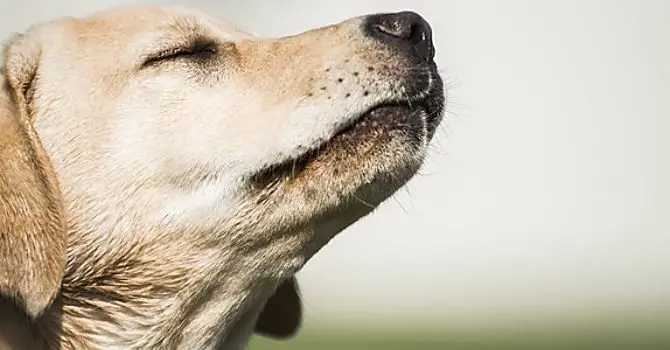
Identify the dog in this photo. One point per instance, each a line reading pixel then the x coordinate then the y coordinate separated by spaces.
pixel 165 174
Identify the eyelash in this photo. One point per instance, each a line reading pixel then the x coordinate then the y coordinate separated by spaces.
pixel 199 51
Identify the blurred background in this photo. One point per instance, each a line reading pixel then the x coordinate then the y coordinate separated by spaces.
pixel 542 217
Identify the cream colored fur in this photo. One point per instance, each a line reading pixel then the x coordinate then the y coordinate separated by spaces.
pixel 172 240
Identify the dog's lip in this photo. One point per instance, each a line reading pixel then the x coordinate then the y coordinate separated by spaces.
pixel 294 165
pixel 410 105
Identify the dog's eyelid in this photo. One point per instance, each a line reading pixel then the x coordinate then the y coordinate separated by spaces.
pixel 196 49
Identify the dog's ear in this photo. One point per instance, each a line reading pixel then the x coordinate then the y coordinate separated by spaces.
pixel 282 315
pixel 33 239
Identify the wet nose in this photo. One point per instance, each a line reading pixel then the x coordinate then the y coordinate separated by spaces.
pixel 407 32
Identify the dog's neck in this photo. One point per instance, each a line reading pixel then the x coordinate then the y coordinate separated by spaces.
pixel 193 290
pixel 135 304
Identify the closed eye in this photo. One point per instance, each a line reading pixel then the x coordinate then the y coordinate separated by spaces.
pixel 197 50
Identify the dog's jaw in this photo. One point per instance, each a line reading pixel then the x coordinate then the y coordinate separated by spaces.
pixel 204 290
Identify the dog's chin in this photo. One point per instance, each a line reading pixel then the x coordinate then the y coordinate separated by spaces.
pixel 360 166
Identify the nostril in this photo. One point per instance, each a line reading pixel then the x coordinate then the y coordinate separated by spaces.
pixel 396 29
pixel 418 34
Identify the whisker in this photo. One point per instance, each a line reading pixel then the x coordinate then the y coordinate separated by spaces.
pixel 395 198
pixel 436 149
pixel 364 202
pixel 410 197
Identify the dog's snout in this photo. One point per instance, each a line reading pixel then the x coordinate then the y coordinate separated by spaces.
pixel 406 31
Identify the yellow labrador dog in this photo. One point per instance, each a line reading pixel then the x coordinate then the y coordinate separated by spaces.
pixel 164 175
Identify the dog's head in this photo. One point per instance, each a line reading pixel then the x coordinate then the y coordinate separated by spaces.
pixel 163 124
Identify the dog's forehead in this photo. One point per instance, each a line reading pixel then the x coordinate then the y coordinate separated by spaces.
pixel 146 20
pixel 124 35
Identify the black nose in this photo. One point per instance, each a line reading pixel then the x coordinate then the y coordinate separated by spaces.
pixel 406 31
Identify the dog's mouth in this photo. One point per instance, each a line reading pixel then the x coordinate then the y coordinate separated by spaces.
pixel 413 120
pixel 380 119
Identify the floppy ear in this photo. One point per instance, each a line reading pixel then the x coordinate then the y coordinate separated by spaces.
pixel 282 315
pixel 33 239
